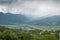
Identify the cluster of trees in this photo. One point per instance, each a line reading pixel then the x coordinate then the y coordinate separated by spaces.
pixel 18 34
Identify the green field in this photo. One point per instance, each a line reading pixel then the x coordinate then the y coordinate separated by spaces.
pixel 32 27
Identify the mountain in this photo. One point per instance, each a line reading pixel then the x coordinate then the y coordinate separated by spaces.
pixel 9 18
pixel 48 21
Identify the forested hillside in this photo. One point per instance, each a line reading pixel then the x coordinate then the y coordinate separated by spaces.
pixel 19 34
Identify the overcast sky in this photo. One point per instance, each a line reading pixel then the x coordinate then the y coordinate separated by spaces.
pixel 31 7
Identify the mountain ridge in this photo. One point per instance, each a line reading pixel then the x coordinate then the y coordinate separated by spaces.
pixel 10 18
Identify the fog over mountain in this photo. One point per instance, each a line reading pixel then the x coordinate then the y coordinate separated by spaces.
pixel 40 12
pixel 35 8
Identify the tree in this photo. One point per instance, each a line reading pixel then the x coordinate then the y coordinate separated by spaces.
pixel 1 35
pixel 9 35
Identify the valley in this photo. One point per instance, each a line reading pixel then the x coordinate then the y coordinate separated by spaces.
pixel 32 27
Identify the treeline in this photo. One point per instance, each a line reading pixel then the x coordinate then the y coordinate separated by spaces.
pixel 19 34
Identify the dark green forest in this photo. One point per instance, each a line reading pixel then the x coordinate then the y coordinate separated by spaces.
pixel 19 34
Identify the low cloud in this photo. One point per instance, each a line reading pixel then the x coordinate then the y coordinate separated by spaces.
pixel 31 7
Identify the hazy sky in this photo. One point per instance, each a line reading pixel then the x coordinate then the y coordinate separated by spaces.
pixel 31 7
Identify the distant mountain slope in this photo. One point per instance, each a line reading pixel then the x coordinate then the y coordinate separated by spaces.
pixel 48 21
pixel 9 18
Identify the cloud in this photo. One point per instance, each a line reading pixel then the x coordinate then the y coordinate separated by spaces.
pixel 31 7
pixel 3 9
